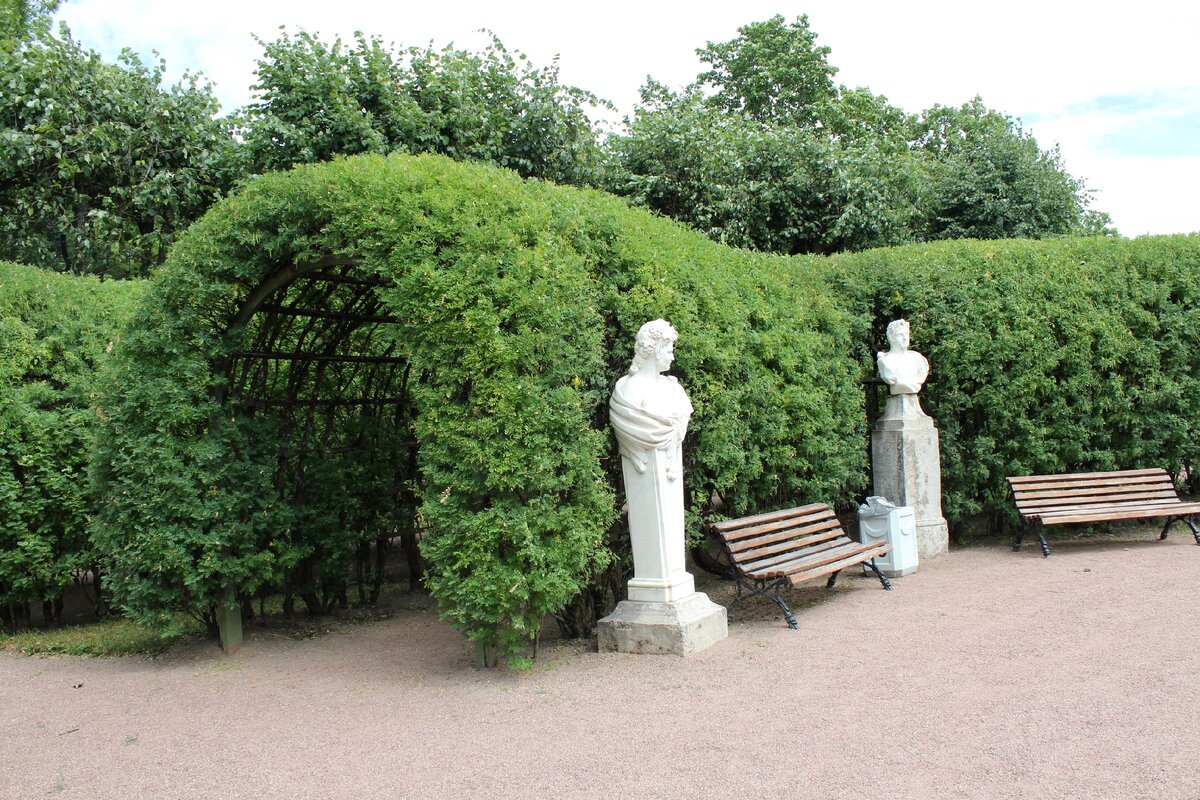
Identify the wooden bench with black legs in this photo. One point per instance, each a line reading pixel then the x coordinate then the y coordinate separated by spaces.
pixel 1098 497
pixel 769 552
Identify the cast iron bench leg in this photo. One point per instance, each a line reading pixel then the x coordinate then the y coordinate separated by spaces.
pixel 878 574
pixel 1041 532
pixel 761 591
pixel 1186 521
pixel 1020 536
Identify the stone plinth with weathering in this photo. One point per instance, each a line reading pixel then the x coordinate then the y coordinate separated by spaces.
pixel 905 454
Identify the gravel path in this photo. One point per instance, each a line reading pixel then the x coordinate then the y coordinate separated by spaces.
pixel 987 674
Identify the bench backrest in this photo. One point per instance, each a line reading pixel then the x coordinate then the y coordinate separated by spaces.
pixel 778 536
pixel 1090 490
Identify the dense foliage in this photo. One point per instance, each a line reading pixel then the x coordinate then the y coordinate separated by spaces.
pixel 54 331
pixel 20 19
pixel 764 151
pixel 318 100
pixel 776 188
pixel 100 166
pixel 1063 356
pixel 988 179
pixel 517 304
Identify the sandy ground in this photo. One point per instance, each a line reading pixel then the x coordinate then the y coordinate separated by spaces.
pixel 987 674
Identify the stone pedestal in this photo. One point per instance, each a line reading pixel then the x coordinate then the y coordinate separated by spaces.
pixel 678 628
pixel 664 614
pixel 656 530
pixel 907 469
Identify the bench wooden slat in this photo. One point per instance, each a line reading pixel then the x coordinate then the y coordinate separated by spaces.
pixel 1157 486
pixel 800 525
pixel 1096 508
pixel 833 566
pixel 742 545
pixel 728 525
pixel 759 553
pixel 771 562
pixel 1147 509
pixel 1113 516
pixel 793 523
pixel 1074 476
pixel 1096 499
pixel 797 570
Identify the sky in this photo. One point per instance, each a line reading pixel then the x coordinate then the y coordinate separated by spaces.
pixel 1116 86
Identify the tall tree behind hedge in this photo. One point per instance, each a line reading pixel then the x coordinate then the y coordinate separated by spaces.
pixel 764 151
pixel 989 179
pixel 760 185
pixel 101 166
pixel 318 100
pixel 54 332
pixel 773 71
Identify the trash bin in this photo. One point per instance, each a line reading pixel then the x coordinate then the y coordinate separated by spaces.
pixel 880 520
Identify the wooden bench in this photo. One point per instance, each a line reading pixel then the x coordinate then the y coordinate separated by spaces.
pixel 1098 497
pixel 769 552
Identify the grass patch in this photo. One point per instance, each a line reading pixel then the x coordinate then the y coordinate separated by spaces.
pixel 108 638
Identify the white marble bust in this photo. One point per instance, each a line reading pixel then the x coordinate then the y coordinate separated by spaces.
pixel 649 410
pixel 902 369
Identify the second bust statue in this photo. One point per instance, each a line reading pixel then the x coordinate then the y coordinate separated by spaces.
pixel 902 369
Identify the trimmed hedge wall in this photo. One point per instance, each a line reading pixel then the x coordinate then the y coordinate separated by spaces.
pixel 1047 356
pixel 519 303
pixel 54 331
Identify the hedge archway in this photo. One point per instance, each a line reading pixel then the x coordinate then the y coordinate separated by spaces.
pixel 379 344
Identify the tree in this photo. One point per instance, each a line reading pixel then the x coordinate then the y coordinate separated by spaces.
pixel 763 186
pixel 988 179
pixel 774 71
pixel 319 100
pixel 100 166
pixel 21 19
pixel 776 158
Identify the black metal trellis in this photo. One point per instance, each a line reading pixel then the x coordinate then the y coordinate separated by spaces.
pixel 314 350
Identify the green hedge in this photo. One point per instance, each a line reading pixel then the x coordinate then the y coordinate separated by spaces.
pixel 54 332
pixel 1053 356
pixel 519 302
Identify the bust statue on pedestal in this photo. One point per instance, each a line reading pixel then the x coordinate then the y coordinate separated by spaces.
pixel 905 452
pixel 649 412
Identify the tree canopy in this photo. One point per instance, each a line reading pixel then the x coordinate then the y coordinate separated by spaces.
pixel 21 19
pixel 764 151
pixel 101 167
pixel 317 100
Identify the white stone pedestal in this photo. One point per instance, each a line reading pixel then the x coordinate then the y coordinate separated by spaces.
pixel 906 462
pixel 678 628
pixel 656 530
pixel 664 614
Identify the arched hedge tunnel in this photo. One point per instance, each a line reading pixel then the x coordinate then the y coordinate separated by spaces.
pixel 375 346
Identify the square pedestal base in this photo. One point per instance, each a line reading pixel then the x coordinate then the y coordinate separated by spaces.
pixel 680 628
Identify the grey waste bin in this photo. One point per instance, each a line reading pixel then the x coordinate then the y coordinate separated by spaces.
pixel 880 520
